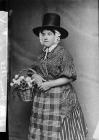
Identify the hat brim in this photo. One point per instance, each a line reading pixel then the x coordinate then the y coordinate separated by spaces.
pixel 64 33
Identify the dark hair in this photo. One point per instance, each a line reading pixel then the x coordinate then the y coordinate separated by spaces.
pixel 50 29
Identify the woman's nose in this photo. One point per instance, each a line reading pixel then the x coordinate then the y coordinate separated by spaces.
pixel 45 37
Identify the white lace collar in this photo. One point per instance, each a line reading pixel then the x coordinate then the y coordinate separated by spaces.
pixel 49 49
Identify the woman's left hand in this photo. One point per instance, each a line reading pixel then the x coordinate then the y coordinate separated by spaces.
pixel 45 86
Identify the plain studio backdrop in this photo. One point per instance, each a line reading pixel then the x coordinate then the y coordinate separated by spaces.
pixel 80 18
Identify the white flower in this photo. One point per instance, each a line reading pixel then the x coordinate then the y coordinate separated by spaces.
pixel 11 84
pixel 18 81
pixel 16 76
pixel 28 79
pixel 14 81
pixel 21 77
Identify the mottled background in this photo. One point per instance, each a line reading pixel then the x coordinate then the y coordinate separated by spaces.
pixel 80 18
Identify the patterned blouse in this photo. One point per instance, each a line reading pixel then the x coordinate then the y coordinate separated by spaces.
pixel 59 63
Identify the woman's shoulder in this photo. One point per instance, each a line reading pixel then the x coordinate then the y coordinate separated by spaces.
pixel 59 50
pixel 63 52
pixel 41 55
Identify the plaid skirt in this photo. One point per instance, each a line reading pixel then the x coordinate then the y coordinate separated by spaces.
pixel 48 120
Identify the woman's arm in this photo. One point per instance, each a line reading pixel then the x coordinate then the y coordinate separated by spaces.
pixel 54 83
pixel 59 82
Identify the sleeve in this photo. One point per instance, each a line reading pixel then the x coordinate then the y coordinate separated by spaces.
pixel 37 67
pixel 67 67
pixel 34 67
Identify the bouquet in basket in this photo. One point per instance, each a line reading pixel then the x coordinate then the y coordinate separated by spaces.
pixel 24 84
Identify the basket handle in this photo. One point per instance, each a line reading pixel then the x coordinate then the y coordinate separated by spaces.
pixel 23 70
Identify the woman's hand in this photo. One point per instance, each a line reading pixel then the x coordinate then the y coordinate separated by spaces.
pixel 38 79
pixel 44 86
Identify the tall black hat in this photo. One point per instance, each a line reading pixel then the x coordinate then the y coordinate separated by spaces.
pixel 51 21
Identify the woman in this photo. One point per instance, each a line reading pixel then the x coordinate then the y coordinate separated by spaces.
pixel 56 113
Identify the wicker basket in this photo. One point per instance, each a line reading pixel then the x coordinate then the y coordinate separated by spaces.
pixel 26 95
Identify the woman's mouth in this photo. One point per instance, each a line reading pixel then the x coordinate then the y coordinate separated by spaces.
pixel 45 40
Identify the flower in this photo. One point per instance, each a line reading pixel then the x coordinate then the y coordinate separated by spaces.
pixel 16 76
pixel 21 77
pixel 11 84
pixel 22 82
pixel 28 79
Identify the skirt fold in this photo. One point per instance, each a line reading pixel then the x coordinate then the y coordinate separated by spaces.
pixel 74 127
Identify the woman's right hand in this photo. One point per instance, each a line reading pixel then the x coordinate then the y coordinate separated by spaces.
pixel 38 79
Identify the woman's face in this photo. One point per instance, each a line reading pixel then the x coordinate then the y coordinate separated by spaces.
pixel 48 38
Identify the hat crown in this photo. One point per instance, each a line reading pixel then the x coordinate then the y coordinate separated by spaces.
pixel 51 19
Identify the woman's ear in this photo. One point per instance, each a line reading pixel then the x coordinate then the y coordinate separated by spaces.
pixel 57 36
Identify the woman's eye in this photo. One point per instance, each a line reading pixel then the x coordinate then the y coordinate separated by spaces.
pixel 43 34
pixel 49 33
